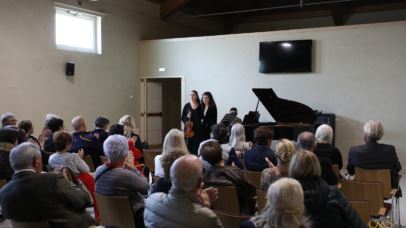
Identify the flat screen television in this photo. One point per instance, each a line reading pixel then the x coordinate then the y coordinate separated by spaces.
pixel 292 56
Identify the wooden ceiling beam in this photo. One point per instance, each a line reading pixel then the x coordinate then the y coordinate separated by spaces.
pixel 168 7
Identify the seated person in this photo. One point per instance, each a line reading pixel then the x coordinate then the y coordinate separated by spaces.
pixel 28 128
pixel 54 124
pixel 31 196
pixel 374 155
pixel 284 207
pixel 236 142
pixel 255 158
pixel 307 141
pixel 231 117
pixel 112 179
pixel 86 141
pixel 187 204
pixel 217 174
pixel 324 148
pixel 8 119
pixel 325 204
pixel 102 124
pixel 8 140
pixel 285 149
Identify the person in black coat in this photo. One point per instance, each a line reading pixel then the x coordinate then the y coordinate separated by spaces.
pixel 374 155
pixel 209 114
pixel 101 124
pixel 307 141
pixel 324 203
pixel 192 115
pixel 324 148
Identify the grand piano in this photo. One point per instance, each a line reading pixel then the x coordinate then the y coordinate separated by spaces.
pixel 291 117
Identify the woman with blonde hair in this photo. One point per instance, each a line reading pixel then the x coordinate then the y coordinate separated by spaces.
pixel 173 139
pixel 284 208
pixel 285 149
pixel 324 203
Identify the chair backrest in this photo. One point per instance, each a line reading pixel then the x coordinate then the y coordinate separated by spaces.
pixel 336 170
pixel 254 178
pixel 227 201
pixel 261 199
pixel 375 175
pixel 88 159
pixel 365 191
pixel 43 224
pixel 149 156
pixel 115 210
pixel 363 209
pixel 230 220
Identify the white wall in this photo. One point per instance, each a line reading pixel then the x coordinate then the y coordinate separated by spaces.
pixel 33 80
pixel 359 74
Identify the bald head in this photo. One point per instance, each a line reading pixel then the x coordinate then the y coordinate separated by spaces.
pixel 186 173
pixel 306 141
pixel 78 123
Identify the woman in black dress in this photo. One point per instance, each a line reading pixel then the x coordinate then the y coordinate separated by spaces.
pixel 192 115
pixel 209 114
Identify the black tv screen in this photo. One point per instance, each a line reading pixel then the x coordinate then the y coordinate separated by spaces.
pixel 285 56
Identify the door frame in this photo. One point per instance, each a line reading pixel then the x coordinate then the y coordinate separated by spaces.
pixel 144 101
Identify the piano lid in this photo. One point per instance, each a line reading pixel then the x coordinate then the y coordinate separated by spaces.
pixel 283 110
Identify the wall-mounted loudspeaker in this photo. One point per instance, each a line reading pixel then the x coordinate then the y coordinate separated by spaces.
pixel 70 68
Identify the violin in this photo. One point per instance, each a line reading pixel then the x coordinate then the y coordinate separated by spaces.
pixel 189 129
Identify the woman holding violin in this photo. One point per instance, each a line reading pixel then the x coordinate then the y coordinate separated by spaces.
pixel 192 115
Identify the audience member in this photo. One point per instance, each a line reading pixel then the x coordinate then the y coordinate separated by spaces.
pixel 220 175
pixel 54 124
pixel 209 114
pixel 7 119
pixel 325 204
pixel 307 141
pixel 163 184
pixel 237 146
pixel 374 155
pixel 112 179
pixel 219 133
pixel 27 126
pixel 31 196
pixel 46 132
pixel 136 154
pixel 285 149
pixel 131 131
pixel 101 124
pixel 284 207
pixel 86 141
pixel 324 148
pixel 173 139
pixel 255 158
pixel 8 140
pixel 187 204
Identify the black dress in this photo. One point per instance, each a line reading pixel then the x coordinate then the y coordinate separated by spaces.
pixel 196 118
pixel 209 119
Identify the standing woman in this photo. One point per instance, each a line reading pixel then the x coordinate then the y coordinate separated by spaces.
pixel 209 114
pixel 192 115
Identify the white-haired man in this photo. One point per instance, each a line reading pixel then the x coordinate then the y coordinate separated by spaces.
pixel 31 196
pixel 112 179
pixel 187 204
pixel 7 119
pixel 374 155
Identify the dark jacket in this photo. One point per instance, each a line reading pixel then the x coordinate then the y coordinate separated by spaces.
pixel 255 158
pixel 327 207
pixel 374 155
pixel 102 134
pixel 208 120
pixel 6 172
pixel 232 176
pixel 327 172
pixel 89 143
pixel 45 197
pixel 329 151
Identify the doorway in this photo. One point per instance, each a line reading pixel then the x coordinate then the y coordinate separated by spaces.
pixel 161 104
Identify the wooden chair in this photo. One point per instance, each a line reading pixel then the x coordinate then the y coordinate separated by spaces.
pixel 89 162
pixel 376 175
pixel 363 209
pixel 115 210
pixel 261 200
pixel 227 201
pixel 43 224
pixel 365 191
pixel 230 220
pixel 254 178
pixel 336 170
pixel 149 156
